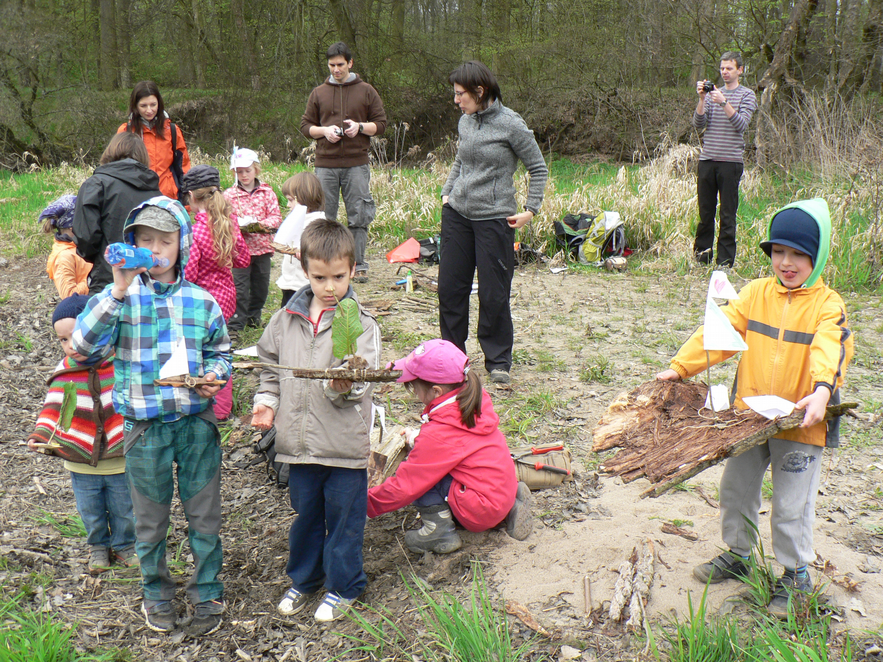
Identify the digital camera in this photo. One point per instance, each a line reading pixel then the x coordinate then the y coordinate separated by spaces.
pixel 707 86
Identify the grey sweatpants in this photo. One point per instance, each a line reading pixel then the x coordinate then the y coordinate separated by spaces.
pixel 355 186
pixel 796 468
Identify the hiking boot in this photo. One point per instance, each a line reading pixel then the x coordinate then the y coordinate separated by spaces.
pixel 784 591
pixel 160 616
pixel 519 521
pixel 207 618
pixel 99 561
pixel 500 376
pixel 438 533
pixel 728 565
pixel 293 602
pixel 126 558
pixel 333 607
pixel 361 277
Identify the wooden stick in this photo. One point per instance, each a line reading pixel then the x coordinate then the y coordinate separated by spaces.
pixel 357 375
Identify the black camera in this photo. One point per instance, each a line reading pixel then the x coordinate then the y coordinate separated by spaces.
pixel 339 130
pixel 707 86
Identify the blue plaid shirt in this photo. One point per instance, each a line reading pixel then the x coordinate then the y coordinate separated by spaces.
pixel 144 329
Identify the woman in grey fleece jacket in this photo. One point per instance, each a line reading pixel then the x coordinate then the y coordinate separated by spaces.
pixel 480 215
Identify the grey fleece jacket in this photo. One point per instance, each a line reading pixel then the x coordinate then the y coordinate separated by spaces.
pixel 315 424
pixel 492 141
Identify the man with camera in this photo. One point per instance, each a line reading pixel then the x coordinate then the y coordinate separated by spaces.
pixel 341 115
pixel 724 113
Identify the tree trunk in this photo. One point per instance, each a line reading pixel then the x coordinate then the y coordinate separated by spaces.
pixel 872 49
pixel 124 41
pixel 109 63
pixel 246 44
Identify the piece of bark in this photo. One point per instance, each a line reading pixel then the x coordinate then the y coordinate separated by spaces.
pixel 523 614
pixel 358 375
pixel 673 530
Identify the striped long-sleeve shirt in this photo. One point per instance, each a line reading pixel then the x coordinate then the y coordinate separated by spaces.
pixel 724 136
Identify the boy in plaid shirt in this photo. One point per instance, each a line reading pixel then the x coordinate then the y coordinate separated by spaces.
pixel 143 315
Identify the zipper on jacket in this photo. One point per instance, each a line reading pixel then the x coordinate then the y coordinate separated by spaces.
pixel 779 341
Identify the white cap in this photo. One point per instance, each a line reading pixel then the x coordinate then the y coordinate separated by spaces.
pixel 242 158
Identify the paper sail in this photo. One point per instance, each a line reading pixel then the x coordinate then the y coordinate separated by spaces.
pixel 719 395
pixel 292 227
pixel 769 406
pixel 177 364
pixel 719 286
pixel 718 332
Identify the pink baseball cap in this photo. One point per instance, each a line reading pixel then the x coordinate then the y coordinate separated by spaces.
pixel 435 361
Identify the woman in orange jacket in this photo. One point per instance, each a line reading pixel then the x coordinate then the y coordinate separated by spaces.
pixel 148 119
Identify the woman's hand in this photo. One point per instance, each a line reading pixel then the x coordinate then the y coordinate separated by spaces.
pixel 814 405
pixel 444 199
pixel 262 417
pixel 668 376
pixel 519 220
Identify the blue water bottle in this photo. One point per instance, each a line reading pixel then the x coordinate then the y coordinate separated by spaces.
pixel 125 256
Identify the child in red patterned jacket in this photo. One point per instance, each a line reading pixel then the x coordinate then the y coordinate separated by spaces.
pixel 91 444
pixel 218 248
pixel 254 202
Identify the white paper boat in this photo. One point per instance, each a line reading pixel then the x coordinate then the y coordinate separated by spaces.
pixel 719 396
pixel 769 406
pixel 177 364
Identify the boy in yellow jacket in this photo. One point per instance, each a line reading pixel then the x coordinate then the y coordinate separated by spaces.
pixel 799 345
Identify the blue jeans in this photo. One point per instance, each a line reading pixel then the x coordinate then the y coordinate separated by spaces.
pixel 436 495
pixel 105 506
pixel 335 500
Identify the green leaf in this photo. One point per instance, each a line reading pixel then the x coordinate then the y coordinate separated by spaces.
pixel 346 327
pixel 68 406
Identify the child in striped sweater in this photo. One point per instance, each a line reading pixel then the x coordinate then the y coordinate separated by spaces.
pixel 91 444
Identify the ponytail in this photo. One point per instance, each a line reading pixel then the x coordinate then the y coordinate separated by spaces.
pixel 469 399
pixel 219 213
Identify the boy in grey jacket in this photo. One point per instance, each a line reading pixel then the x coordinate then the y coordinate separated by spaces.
pixel 322 429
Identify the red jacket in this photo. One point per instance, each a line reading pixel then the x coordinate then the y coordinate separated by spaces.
pixel 160 152
pixel 478 459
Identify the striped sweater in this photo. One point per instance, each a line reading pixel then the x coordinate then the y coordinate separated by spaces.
pixel 96 430
pixel 724 136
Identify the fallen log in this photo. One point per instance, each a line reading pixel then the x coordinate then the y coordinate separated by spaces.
pixel 667 436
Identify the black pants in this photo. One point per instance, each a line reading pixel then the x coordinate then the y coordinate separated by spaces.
pixel 715 178
pixel 252 287
pixel 489 247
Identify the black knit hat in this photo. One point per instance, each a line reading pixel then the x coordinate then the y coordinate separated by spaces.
pixel 70 307
pixel 795 228
pixel 201 176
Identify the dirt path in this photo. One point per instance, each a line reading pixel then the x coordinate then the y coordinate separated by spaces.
pixel 580 339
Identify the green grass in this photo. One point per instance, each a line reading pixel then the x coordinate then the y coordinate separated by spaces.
pixel 68 527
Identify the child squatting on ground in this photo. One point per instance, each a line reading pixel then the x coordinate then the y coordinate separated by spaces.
pixel 306 199
pixel 144 315
pixel 798 348
pixel 218 248
pixel 460 461
pixel 67 270
pixel 92 445
pixel 322 429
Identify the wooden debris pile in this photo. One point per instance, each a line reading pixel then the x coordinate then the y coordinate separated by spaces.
pixel 632 590
pixel 667 436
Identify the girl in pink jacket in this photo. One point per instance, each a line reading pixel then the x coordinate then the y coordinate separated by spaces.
pixel 460 466
pixel 218 248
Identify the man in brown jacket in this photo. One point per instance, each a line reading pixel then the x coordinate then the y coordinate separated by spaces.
pixel 341 115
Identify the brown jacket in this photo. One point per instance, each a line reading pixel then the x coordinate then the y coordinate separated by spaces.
pixel 332 103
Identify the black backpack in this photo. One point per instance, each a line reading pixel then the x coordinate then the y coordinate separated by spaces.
pixel 266 446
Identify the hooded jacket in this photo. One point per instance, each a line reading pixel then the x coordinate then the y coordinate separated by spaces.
pixel 67 270
pixel 160 152
pixel 479 461
pixel 145 327
pixel 492 142
pixel 797 339
pixel 314 423
pixel 103 202
pixel 329 105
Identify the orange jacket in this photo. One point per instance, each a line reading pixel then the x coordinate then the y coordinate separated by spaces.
pixel 67 269
pixel 160 151
pixel 797 340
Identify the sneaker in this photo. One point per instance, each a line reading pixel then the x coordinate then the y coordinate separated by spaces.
pixel 728 565
pixel 126 558
pixel 782 594
pixel 161 616
pixel 207 618
pixel 361 277
pixel 333 607
pixel 99 561
pixel 519 521
pixel 500 376
pixel 293 602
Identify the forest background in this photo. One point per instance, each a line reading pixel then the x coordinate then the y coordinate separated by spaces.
pixel 593 78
